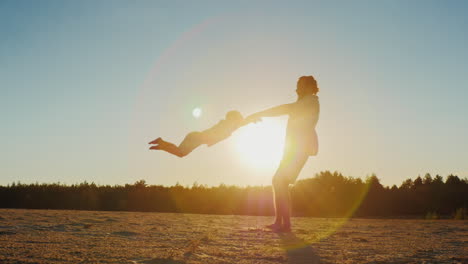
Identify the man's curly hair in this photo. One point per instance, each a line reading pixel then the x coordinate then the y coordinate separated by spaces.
pixel 309 83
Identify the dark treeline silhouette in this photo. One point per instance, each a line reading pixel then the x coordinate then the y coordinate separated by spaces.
pixel 326 195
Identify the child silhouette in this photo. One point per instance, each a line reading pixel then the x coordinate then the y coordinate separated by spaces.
pixel 222 130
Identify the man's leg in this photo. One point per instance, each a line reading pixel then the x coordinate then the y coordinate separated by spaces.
pixel 292 172
pixel 279 187
pixel 289 169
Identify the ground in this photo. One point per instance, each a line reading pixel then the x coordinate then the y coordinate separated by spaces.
pixel 57 236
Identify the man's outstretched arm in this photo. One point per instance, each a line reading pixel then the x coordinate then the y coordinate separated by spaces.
pixel 279 110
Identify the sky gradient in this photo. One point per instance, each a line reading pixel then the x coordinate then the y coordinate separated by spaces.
pixel 86 84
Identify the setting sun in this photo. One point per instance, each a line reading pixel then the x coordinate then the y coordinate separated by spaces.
pixel 261 145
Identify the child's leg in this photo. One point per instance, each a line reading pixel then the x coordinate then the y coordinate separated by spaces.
pixel 168 147
pixel 156 141
pixel 192 141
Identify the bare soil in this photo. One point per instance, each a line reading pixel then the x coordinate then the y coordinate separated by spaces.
pixel 56 236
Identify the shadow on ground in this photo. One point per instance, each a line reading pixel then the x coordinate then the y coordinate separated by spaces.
pixel 298 251
pixel 161 261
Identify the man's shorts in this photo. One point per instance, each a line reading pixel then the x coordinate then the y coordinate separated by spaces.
pixel 291 165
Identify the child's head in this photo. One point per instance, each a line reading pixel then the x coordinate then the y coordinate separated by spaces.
pixel 234 116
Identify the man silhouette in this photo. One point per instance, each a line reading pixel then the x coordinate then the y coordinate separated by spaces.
pixel 301 142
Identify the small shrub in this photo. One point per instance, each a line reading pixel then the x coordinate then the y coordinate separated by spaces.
pixel 461 214
pixel 432 216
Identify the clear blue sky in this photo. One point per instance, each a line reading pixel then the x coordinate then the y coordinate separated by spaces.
pixel 86 84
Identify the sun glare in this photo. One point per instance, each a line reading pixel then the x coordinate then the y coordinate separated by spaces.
pixel 261 145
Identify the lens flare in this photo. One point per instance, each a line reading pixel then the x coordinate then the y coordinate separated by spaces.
pixel 197 112
pixel 334 223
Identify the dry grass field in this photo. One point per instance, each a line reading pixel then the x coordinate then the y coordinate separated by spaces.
pixel 54 236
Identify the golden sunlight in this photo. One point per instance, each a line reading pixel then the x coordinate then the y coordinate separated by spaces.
pixel 261 145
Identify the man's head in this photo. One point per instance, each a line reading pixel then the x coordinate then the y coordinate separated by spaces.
pixel 234 116
pixel 306 85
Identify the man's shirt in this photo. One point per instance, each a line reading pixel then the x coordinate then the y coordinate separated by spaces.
pixel 300 132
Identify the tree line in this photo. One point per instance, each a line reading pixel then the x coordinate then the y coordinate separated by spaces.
pixel 328 194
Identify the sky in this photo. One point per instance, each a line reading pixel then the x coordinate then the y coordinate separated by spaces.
pixel 85 85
